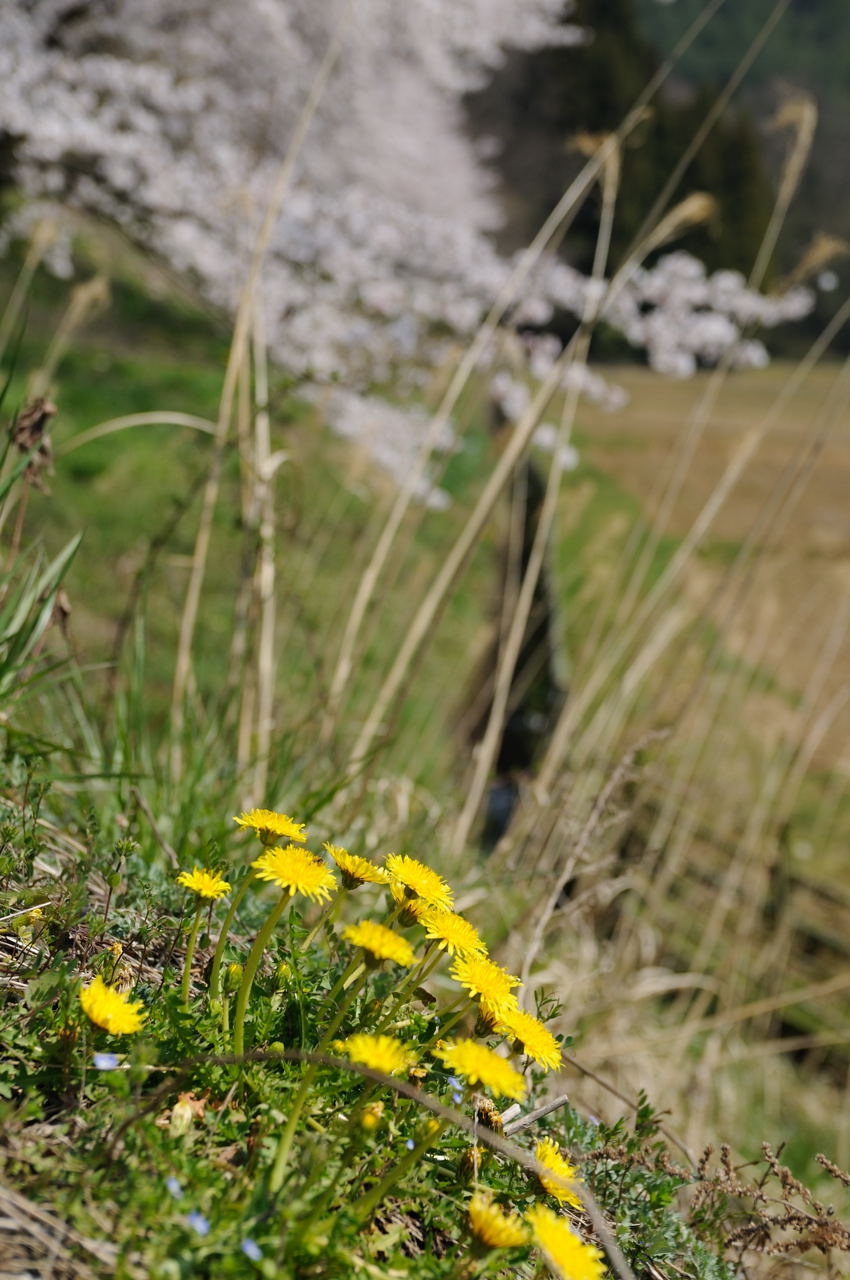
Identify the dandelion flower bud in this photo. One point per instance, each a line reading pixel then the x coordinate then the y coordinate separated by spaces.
pixel 371 1116
pixel 181 1118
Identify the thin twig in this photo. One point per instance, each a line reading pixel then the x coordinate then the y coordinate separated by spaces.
pixel 524 1122
pixel 24 911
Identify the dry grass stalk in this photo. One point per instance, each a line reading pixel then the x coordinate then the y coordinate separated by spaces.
pixel 266 465
pixel 434 601
pixel 238 347
pixel 697 423
pixel 35 1241
pixel 655 599
pixel 510 652
pixel 43 236
pixel 159 417
pixel 552 230
pixel 242 679
pixel 799 113
pixel 783 777
pixel 554 224
pixel 86 300
pixel 820 253
pixel 712 116
pixel 712 694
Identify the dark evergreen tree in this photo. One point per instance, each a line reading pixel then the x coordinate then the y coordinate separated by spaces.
pixel 540 102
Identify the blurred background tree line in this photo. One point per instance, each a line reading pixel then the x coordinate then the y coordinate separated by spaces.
pixel 535 108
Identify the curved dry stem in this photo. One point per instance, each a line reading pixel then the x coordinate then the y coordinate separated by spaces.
pixel 165 417
pixel 487 1137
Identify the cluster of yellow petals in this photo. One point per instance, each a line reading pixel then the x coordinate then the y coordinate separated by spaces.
pixel 480 1065
pixel 534 1039
pixel 409 878
pixel 548 1154
pixel 567 1255
pixel 380 1053
pixel 295 870
pixel 270 825
pixel 451 932
pixel 379 941
pixel 484 978
pixel 355 870
pixel 111 1009
pixel 427 901
pixel 492 1225
pixel 207 884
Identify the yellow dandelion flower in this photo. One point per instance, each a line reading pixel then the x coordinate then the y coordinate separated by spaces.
pixel 483 977
pixel 208 884
pixel 379 941
pixel 451 932
pixel 481 1065
pixel 491 1225
pixel 412 911
pixel 271 826
pixel 412 879
pixel 381 1053
pixel 111 1009
pixel 565 1252
pixel 529 1033
pixel 547 1153
pixel 355 870
pixel 295 870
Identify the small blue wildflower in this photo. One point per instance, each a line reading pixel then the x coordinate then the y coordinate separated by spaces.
pixel 593 1119
pixel 457 1097
pixel 455 1083
pixel 174 1188
pixel 105 1061
pixel 198 1222
pixel 252 1250
pixel 410 1144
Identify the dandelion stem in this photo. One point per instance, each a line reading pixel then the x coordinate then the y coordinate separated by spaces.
pixel 215 973
pixel 342 982
pixel 190 952
pixel 364 1206
pixel 285 1145
pixel 352 1145
pixel 391 916
pixel 249 972
pixel 416 978
pixel 421 971
pixel 447 1026
pixel 462 999
pixel 328 916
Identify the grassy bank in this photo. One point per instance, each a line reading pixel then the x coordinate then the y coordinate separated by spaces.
pixel 658 901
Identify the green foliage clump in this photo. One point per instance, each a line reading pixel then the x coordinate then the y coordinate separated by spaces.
pixel 321 1101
